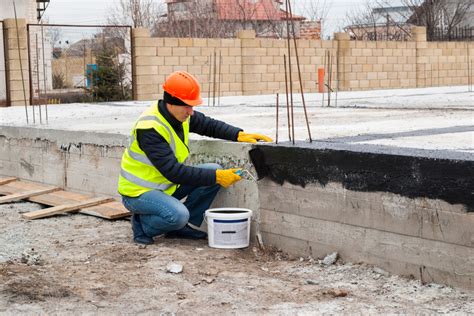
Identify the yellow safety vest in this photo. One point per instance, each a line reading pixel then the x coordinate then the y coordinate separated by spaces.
pixel 137 174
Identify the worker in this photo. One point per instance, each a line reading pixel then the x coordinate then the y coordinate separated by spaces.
pixel 154 176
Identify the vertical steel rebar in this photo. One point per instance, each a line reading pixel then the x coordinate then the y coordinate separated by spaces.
pixel 299 74
pixel 132 59
pixel 329 77
pixel 277 114
pixel 337 71
pixel 30 73
pixel 438 75
pixel 38 79
pixel 431 74
pixel 214 85
pixel 44 74
pixel 219 79
pixel 470 75
pixel 289 71
pixel 468 68
pixel 21 64
pixel 287 98
pixel 32 95
pixel 210 81
pixel 38 76
pixel 324 77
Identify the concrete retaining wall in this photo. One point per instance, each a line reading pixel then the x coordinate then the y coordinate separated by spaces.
pixel 302 209
pixel 409 215
pixel 91 162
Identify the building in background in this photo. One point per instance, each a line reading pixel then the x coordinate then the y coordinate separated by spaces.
pixel 450 20
pixel 224 18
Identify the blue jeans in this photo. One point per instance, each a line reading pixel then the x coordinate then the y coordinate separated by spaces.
pixel 160 213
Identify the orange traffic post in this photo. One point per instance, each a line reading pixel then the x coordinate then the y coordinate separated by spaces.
pixel 320 80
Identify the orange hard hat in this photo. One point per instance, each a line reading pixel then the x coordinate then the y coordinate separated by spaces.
pixel 184 86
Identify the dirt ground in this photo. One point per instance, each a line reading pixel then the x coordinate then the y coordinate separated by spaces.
pixel 82 264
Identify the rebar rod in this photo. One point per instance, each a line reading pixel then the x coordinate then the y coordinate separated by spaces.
pixel 329 77
pixel 210 81
pixel 38 76
pixel 214 84
pixel 337 72
pixel 324 77
pixel 289 72
pixel 277 112
pixel 21 64
pixel 219 79
pixel 299 73
pixel 287 98
pixel 44 75
pixel 30 73
pixel 469 69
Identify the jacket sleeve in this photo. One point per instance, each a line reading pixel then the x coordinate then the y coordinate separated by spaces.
pixel 204 125
pixel 162 157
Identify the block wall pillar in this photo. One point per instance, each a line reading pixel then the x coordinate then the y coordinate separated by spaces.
pixel 251 83
pixel 420 39
pixel 343 51
pixel 16 61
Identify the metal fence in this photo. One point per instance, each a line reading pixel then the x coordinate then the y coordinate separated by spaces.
pixel 455 34
pixel 4 99
pixel 79 63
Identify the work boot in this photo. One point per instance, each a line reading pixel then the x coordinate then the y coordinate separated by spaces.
pixel 138 235
pixel 187 233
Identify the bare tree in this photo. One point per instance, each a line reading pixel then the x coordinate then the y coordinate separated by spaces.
pixel 376 21
pixel 362 23
pixel 137 13
pixel 438 16
pixel 316 10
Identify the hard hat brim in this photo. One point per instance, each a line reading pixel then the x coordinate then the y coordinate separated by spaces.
pixel 192 102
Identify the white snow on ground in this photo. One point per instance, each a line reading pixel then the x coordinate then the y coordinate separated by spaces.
pixel 439 118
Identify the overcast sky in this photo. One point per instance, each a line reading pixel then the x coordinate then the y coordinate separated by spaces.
pixel 95 12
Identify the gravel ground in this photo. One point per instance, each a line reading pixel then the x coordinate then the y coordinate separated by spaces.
pixel 77 264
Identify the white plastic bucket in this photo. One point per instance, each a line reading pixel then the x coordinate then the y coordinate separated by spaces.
pixel 228 227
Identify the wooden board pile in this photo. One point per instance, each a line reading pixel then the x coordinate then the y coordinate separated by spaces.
pixel 60 201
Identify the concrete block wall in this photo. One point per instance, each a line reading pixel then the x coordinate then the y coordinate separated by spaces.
pixel 378 65
pixel 253 66
pixel 155 58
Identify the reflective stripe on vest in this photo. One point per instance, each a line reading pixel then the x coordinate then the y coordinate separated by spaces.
pixel 147 184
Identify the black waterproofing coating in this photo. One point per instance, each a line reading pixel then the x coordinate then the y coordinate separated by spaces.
pixel 414 177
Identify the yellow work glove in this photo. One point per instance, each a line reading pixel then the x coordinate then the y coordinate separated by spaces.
pixel 252 138
pixel 227 177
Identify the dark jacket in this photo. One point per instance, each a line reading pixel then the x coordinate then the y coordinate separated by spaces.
pixel 161 155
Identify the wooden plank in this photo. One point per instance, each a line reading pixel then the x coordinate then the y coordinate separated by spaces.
pixel 7 180
pixel 21 186
pixel 60 209
pixel 111 210
pixel 27 194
